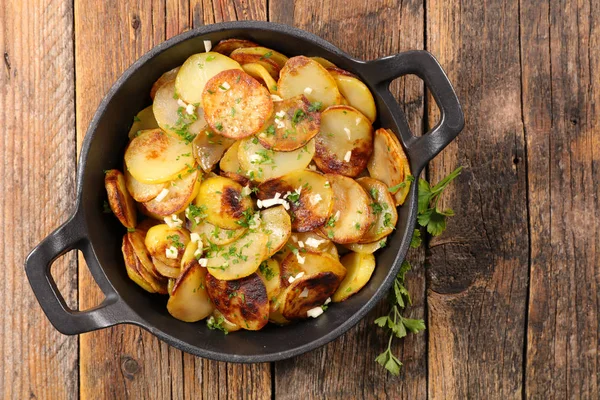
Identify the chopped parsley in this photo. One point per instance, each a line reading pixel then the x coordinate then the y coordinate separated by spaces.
pixel 266 55
pixel 315 106
pixel 216 324
pixel 266 271
pixel 175 240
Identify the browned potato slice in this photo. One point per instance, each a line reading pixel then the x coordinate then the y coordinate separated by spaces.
pixel 242 56
pixel 230 165
pixel 291 126
pixel 189 301
pixel 216 235
pixel 119 199
pixel 162 240
pixel 236 105
pixel 131 266
pixel 366 248
pixel 155 157
pixel 223 201
pixel 266 54
pixel 172 115
pixel 356 93
pixel 237 259
pixel 382 206
pixel 345 142
pixel 158 284
pixel 197 70
pixel 181 193
pixel 171 285
pixel 277 225
pixel 268 271
pixel 262 164
pixel 209 148
pixel 260 73
pixel 324 62
pixel 219 319
pixel 146 224
pixel 313 242
pixel 301 75
pixel 310 197
pixel 137 240
pixel 142 192
pixel 389 164
pixel 142 121
pixel 321 277
pixel 359 268
pixel 165 270
pixel 228 45
pixel 165 78
pixel 243 302
pixel 351 216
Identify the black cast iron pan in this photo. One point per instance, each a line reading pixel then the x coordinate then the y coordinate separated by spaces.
pixel 99 237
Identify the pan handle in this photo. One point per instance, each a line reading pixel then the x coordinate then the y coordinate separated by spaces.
pixel 67 237
pixel 423 64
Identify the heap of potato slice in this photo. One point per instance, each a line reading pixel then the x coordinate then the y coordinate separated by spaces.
pixel 253 171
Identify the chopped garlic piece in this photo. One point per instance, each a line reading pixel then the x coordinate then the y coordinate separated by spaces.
pixel 190 109
pixel 224 87
pixel 293 278
pixel 181 103
pixel 294 238
pixel 207 45
pixel 277 195
pixel 171 252
pixel 280 125
pixel 274 97
pixel 304 293
pixel 198 251
pixel 327 301
pixel 347 132
pixel 173 221
pixel 301 260
pixel 312 167
pixel 316 198
pixel 280 114
pixel 254 158
pixel 259 203
pixel 203 262
pixel 271 202
pixel 255 222
pixel 161 196
pixel 300 243
pixel 194 237
pixel 347 156
pixel 315 243
pixel 246 190
pixel 314 312
pixel 308 90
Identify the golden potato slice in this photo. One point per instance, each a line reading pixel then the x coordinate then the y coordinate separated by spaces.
pixel 266 54
pixel 345 142
pixel 189 301
pixel 291 126
pixel 308 194
pixel 320 277
pixel 383 207
pixel 366 248
pixel 260 73
pixel 162 240
pixel 165 78
pixel 389 164
pixel 230 165
pixel 165 270
pixel 243 302
pixel 228 45
pixel 262 164
pixel 142 121
pixel 216 235
pixel 182 192
pixel 209 147
pixel 301 75
pixel 137 240
pixel 172 115
pixel 142 192
pixel 131 266
pixel 277 225
pixel 170 285
pixel 235 104
pixel 313 242
pixel 220 320
pixel 120 201
pixel 351 216
pixel 237 259
pixel 359 268
pixel 356 93
pixel 324 62
pixel 158 284
pixel 197 70
pixel 223 201
pixel 268 271
pixel 155 157
pixel 242 56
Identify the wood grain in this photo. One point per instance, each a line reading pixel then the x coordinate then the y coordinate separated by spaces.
pixel 37 177
pixel 560 93
pixel 478 269
pixel 126 362
pixel 392 27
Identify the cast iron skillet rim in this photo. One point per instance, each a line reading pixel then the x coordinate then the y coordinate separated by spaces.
pixel 135 318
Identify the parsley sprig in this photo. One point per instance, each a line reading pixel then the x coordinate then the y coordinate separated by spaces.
pixel 430 216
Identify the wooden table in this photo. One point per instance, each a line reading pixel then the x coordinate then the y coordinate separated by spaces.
pixel 509 292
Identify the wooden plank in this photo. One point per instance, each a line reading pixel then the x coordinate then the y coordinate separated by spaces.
pixel 559 46
pixel 126 362
pixel 346 367
pixel 37 176
pixel 478 269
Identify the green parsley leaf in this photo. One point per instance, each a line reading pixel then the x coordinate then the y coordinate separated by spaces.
pixel 266 55
pixel 136 118
pixel 415 242
pixel 315 106
pixel 216 324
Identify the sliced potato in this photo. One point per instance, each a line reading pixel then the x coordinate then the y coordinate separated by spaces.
pixel 359 268
pixel 197 70
pixel 366 248
pixel 171 285
pixel 131 266
pixel 389 164
pixel 223 201
pixel 228 45
pixel 182 192
pixel 236 105
pixel 119 199
pixel 142 121
pixel 383 207
pixel 301 75
pixel 160 238
pixel 277 225
pixel 230 165
pixel 262 164
pixel 189 301
pixel 166 270
pixel 237 259
pixel 245 56
pixel 155 157
pixel 147 224
pixel 313 242
pixel 216 235
pixel 224 322
pixel 172 116
pixel 165 78
pixel 260 73
pixel 267 54
pixel 291 125
pixel 308 194
pixel 243 302
pixel 268 271
pixel 351 215
pixel 324 62
pixel 356 93
pixel 142 192
pixel 137 240
pixel 345 142
pixel 209 147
